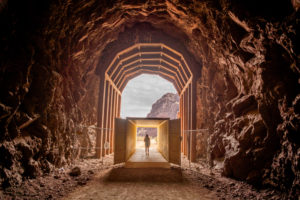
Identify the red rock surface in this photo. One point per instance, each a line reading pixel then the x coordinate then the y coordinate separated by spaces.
pixel 165 107
pixel 52 53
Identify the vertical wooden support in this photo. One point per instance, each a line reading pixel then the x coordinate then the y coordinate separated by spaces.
pixel 112 120
pixel 193 120
pixel 182 119
pixel 188 121
pixel 185 123
pixel 100 117
pixel 105 116
pixel 119 105
pixel 181 122
pixel 108 115
pixel 116 116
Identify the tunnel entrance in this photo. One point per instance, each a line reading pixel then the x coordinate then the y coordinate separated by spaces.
pixel 168 142
pixel 145 58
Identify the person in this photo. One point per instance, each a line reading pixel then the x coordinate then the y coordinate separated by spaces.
pixel 147 144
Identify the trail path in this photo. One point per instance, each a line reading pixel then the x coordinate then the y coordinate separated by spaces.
pixel 121 183
pixel 107 181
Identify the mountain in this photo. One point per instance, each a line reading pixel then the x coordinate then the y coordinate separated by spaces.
pixel 165 107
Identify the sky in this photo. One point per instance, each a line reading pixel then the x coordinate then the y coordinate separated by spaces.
pixel 141 92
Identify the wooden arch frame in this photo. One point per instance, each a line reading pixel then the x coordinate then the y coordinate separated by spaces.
pixel 151 58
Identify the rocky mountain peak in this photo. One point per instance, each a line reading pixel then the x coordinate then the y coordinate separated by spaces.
pixel 166 106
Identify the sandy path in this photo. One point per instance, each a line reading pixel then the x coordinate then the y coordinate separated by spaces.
pixel 121 183
pixel 107 181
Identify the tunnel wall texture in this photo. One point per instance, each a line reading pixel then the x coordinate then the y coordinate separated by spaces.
pixel 247 93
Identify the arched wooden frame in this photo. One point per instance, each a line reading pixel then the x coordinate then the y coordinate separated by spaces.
pixel 150 58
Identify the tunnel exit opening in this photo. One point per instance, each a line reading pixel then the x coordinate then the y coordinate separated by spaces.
pixel 142 92
pixel 166 151
pixel 146 58
pixel 142 132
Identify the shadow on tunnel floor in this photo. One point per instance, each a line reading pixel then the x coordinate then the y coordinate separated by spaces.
pixel 144 175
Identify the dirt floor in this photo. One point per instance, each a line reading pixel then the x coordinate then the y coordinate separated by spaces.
pixel 107 181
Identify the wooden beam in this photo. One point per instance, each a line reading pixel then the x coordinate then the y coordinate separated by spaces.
pixel 116 77
pixel 193 121
pixel 181 124
pixel 110 119
pixel 141 71
pixel 105 117
pixel 182 63
pixel 188 120
pixel 119 105
pixel 112 83
pixel 121 80
pixel 140 62
pixel 140 65
pixel 186 85
pixel 101 102
pixel 119 54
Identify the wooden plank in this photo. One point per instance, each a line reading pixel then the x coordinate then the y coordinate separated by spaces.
pixel 100 117
pixel 174 141
pixel 120 140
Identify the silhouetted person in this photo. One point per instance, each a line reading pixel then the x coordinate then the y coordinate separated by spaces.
pixel 147 144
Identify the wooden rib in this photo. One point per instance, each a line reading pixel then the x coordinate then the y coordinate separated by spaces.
pixel 177 78
pixel 186 85
pixel 179 54
pixel 129 57
pixel 141 71
pixel 184 78
pixel 120 53
pixel 114 78
pixel 140 53
pixel 181 80
pixel 112 83
pixel 159 72
pixel 149 65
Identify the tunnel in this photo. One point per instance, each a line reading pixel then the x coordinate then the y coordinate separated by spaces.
pixel 150 58
pixel 234 64
pixel 168 143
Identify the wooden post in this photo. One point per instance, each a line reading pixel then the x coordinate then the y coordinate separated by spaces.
pixel 181 122
pixel 105 116
pixel 188 121
pixel 108 116
pixel 112 120
pixel 185 123
pixel 119 105
pixel 100 117
pixel 193 120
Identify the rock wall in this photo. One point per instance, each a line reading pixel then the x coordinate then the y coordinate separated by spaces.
pixel 167 106
pixel 247 90
pixel 247 98
pixel 46 100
